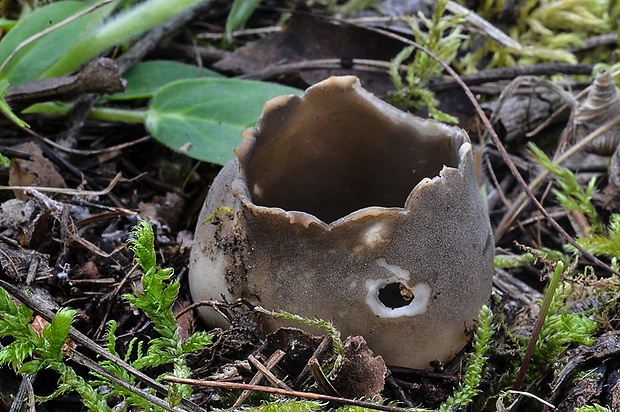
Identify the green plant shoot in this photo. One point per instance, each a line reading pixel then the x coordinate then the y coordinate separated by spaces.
pixel 156 300
pixel 443 38
pixel 239 13
pixel 468 388
pixel 124 27
pixel 571 195
pixel 607 244
pixel 33 350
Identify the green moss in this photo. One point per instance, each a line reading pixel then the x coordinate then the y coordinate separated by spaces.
pixel 545 29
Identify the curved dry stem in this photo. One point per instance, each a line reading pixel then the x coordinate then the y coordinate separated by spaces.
pixel 521 202
pixel 503 151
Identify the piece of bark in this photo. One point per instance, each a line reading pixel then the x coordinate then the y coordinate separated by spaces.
pixel 606 348
pixel 99 76
pixel 18 263
pixel 298 346
pixel 587 391
pixel 522 113
pixel 297 42
pixel 362 374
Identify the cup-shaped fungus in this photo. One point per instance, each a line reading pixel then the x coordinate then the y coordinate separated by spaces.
pixel 347 209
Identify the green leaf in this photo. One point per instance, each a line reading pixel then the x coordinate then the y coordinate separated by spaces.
pixel 6 110
pixel 170 294
pixel 30 62
pixel 55 334
pixel 110 336
pixel 33 366
pixel 7 24
pixel 239 13
pixel 7 305
pixel 15 353
pixel 285 405
pixel 124 27
pixel 204 118
pixel 145 78
pixel 196 342
pixel 593 408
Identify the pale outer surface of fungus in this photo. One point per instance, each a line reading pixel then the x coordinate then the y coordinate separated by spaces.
pixel 350 210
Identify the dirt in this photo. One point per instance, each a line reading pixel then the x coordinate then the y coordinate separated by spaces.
pixel 69 249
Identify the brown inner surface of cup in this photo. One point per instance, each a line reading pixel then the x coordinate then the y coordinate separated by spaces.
pixel 334 152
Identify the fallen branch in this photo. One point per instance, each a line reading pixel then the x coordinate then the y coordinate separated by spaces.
pixel 293 394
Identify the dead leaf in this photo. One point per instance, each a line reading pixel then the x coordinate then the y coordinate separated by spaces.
pixel 185 321
pixel 38 324
pixel 87 270
pixel 162 210
pixel 18 263
pixel 362 374
pixel 38 171
pixel 15 213
pixel 303 38
pixel 298 345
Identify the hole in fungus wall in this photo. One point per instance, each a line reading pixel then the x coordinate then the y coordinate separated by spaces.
pixel 392 297
pixel 395 295
pixel 383 300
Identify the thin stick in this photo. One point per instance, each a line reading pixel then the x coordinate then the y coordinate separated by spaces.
pixel 293 394
pixel 324 346
pixel 532 396
pixel 483 25
pixel 270 364
pixel 263 370
pixel 97 151
pixel 98 369
pixel 71 192
pixel 278 69
pixel 542 315
pixel 80 338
